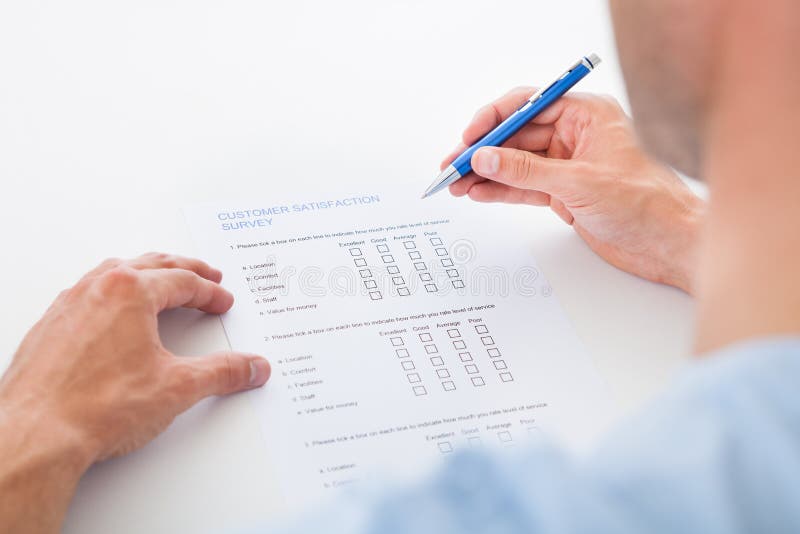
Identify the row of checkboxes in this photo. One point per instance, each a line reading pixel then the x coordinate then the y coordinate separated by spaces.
pixel 447 262
pixel 397 280
pixel 420 266
pixel 494 353
pixel 471 369
pixel 366 274
pixel 408 365
pixel 504 436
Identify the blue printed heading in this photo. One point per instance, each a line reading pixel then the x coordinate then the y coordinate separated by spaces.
pixel 264 217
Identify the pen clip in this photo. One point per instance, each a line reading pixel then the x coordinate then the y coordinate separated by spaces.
pixel 538 94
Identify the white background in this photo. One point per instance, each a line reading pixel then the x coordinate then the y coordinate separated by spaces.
pixel 114 115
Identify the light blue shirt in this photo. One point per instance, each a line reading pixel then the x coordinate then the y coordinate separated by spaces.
pixel 720 452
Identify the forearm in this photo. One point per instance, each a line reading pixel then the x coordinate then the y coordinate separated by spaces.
pixel 42 462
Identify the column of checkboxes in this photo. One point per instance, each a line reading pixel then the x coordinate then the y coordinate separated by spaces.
pixel 394 271
pixel 466 357
pixel 447 262
pixel 365 273
pixel 494 353
pixel 420 266
pixel 407 364
pixel 442 372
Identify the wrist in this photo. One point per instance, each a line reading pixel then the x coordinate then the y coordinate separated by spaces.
pixel 681 252
pixel 43 461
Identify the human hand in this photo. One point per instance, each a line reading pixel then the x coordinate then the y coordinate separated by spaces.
pixel 91 380
pixel 581 158
pixel 95 362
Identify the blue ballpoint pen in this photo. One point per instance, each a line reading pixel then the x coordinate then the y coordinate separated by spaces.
pixel 537 103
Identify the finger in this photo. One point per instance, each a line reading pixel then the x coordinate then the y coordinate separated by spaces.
pixel 175 288
pixel 461 147
pixel 221 373
pixel 159 260
pixel 561 210
pixel 493 114
pixel 488 191
pixel 525 170
pixel 461 187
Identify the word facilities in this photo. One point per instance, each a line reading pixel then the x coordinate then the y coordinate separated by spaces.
pixel 399 332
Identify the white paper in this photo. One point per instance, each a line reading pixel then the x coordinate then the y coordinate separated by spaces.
pixel 400 330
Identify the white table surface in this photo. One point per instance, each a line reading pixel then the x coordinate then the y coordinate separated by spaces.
pixel 114 115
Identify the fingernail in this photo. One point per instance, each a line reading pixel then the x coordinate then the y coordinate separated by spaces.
pixel 486 162
pixel 259 371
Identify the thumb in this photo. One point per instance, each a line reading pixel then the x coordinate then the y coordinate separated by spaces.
pixel 526 170
pixel 223 373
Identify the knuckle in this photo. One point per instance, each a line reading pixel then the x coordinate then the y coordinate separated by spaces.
pixel 160 257
pixel 120 279
pixel 110 263
pixel 522 168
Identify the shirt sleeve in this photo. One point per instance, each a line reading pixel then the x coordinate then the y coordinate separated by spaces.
pixel 720 452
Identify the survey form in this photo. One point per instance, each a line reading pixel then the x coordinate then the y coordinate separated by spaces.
pixel 400 331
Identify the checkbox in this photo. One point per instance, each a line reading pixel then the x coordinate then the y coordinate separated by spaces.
pixel 465 356
pixel 370 284
pixel 500 364
pixel 437 361
pixel 387 258
pixel 431 288
pixel 420 390
pixel 402 353
pixel 409 244
pixel 445 447
pixel 365 273
pixel 458 284
pixel 459 344
pixel 403 291
pixel 415 255
pixel 493 352
pixel 375 295
pixel 505 436
pixel 471 369
pixel 420 266
pixel 431 349
pixel 425 337
pixel 447 262
pixel 441 251
pixel 425 277
pixel 452 273
pixel 408 365
pixel 477 381
pixel 481 329
pixel 453 332
pixel 443 373
pixel 506 377
pixel 355 251
pixel 397 341
pixel 487 340
pixel 448 385
pixel 398 281
pixel 414 378
pixel 474 441
pixel 436 241
pixel 393 269
pixel 383 248
pixel 360 262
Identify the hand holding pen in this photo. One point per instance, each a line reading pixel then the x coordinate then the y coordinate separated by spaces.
pixel 580 156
